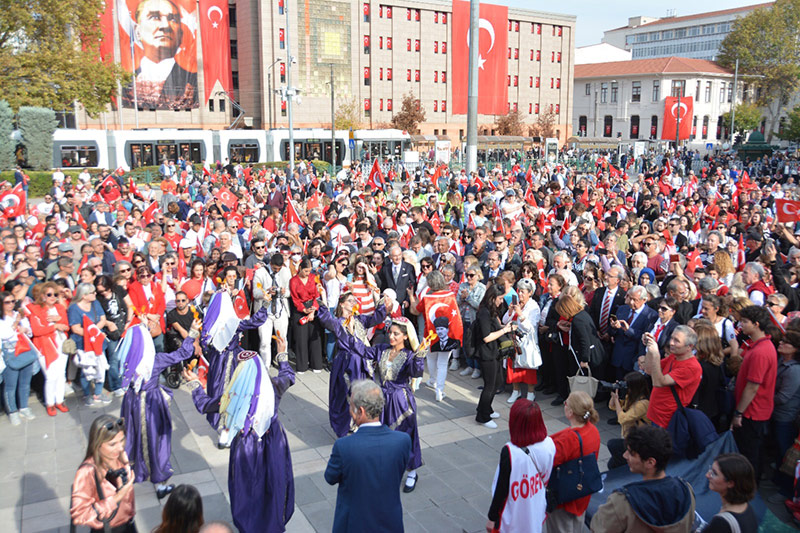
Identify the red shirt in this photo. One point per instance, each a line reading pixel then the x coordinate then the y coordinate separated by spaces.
pixel 568 448
pixel 760 365
pixel 687 375
pixel 303 292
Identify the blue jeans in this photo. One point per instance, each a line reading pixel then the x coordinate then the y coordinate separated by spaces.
pixel 114 379
pixel 17 387
pixel 86 386
pixel 330 339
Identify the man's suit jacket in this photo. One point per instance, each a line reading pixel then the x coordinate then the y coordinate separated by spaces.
pixel 597 304
pixel 666 333
pixel 628 344
pixel 368 466
pixel 459 266
pixel 407 279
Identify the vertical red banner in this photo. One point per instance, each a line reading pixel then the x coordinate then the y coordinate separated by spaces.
pixel 492 59
pixel 673 110
pixel 215 32
pixel 107 28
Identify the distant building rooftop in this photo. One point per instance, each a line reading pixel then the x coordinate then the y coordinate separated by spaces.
pixel 600 53
pixel 662 65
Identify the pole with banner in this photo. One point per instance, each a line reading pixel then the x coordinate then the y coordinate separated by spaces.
pixel 472 95
pixel 678 124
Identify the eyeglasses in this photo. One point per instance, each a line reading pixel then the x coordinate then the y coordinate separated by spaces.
pixel 586 278
pixel 124 270
pixel 665 309
pixel 259 247
pixel 427 266
pixel 118 423
pixel 648 244
pixel 145 275
pixel 181 301
pixel 472 275
pixel 446 233
pixel 769 303
pixel 499 242
pixel 50 295
pixel 379 244
pixel 7 302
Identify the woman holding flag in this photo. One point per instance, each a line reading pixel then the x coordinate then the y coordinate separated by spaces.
pixel 50 326
pixel 145 406
pixel 18 363
pixel 86 311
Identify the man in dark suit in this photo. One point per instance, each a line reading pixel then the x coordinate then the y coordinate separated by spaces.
pixel 633 320
pixel 605 303
pixel 368 466
pixel 275 197
pixel 398 276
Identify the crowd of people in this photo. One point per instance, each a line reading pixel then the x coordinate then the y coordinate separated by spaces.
pixel 675 288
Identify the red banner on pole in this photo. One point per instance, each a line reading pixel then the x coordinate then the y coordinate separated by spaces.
pixel 492 59
pixel 787 210
pixel 673 110
pixel 215 32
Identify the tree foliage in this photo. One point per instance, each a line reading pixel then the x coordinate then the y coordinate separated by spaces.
pixel 544 127
pixel 510 124
pixel 767 44
pixel 7 144
pixel 49 55
pixel 748 117
pixel 348 114
pixel 411 114
pixel 791 130
pixel 36 127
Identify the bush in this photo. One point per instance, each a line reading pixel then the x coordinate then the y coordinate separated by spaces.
pixel 7 144
pixel 36 127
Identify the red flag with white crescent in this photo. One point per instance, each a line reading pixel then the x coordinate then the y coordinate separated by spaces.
pixel 672 111
pixel 92 337
pixel 215 33
pixel 443 304
pixel 227 198
pixel 787 210
pixel 375 176
pixel 13 202
pixel 240 306
pixel 291 214
pixel 436 223
pixel 150 212
pixel 741 256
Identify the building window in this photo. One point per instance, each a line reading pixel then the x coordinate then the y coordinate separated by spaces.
pixel 366 12
pixel 694 128
pixel 280 7
pixel 416 75
pixel 516 53
pixel 388 43
pixel 366 44
pixel 558 108
pixel 582 121
pixel 536 28
pixel 408 75
pixel 367 107
pixel 380 104
pixel 444 18
pixel 444 47
pixel 678 88
pixel 444 106
pixel 283 108
pixel 283 72
pixel 408 14
pixel 656 90
pixel 722 92
pixel 530 108
pixel 509 52
pixel 416 45
pixel 654 126
pixel 436 17
pixel 408 45
pixel 708 92
pixel 516 26
pixel 516 81
pixel 558 83
pixel 389 104
pixel 608 126
pixel 232 16
pixel 697 94
pixel 435 76
pixel 614 92
pixel 380 74
pixel 281 39
pixel 435 47
pixel 730 93
pixel 380 43
pixel 234 49
pixel 444 76
pixel 536 109
pixel 416 15
pixel 538 55
pixel 389 14
pixel 435 106
pixel 508 80
pixel 603 93
pixel 211 106
pixel 221 105
pixel 366 76
pixel 552 83
pixel 636 91
pixel 235 80
pixel 634 126
pixel 538 82
pixel 552 57
pixel 588 89
pixel 706 120
pixel 389 74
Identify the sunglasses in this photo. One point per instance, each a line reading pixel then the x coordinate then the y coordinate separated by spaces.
pixel 471 275
pixel 8 302
pixel 124 270
pixel 427 266
pixel 665 309
pixel 181 301
pixel 145 275
pixel 586 278
pixel 259 247
pixel 118 423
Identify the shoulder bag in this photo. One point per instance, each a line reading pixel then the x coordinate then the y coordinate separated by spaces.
pixel 574 479
pixel 581 382
pixel 100 496
pixel 689 429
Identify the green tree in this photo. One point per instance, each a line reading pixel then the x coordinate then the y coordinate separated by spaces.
pixel 348 114
pixel 411 114
pixel 791 130
pixel 36 127
pixel 748 117
pixel 510 124
pixel 7 144
pixel 49 55
pixel 767 44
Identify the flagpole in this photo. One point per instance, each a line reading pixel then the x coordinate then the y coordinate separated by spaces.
pixel 472 95
pixel 133 82
pixel 289 92
pixel 678 124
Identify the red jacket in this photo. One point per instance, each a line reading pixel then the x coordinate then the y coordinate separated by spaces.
pixel 44 333
pixel 157 305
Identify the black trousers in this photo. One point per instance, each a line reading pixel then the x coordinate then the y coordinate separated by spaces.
pixel 563 365
pixel 750 439
pixel 492 380
pixel 616 448
pixel 307 343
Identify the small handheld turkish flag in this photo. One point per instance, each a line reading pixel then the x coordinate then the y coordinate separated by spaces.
pixel 240 306
pixel 92 337
pixel 788 210
pixel 227 198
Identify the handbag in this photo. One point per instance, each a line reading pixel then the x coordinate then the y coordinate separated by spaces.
pixel 69 347
pixel 690 430
pixel 574 479
pixel 581 382
pixel 790 458
pixel 20 361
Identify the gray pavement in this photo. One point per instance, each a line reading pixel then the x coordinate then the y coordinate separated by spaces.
pixel 38 460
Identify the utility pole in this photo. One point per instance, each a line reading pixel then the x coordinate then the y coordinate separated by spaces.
pixel 678 123
pixel 269 94
pixel 289 91
pixel 733 105
pixel 333 130
pixel 472 95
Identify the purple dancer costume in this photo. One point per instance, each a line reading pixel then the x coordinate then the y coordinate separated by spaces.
pixel 148 423
pixel 347 366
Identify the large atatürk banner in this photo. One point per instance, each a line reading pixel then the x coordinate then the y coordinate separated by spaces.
pixel 157 43
pixel 492 59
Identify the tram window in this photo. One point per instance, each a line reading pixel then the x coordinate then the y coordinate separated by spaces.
pixel 191 152
pixel 166 152
pixel 313 150
pixel 243 152
pixel 79 156
pixel 141 155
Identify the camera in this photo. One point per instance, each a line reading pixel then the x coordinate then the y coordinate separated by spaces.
pixel 120 473
pixel 617 385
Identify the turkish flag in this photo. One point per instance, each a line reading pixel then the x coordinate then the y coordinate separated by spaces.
pixel 215 34
pixel 292 215
pixel 671 113
pixel 313 201
pixel 227 197
pixel 788 210
pixel 13 202
pixel 375 180
pixel 92 337
pixel 492 59
pixel 132 187
pixel 150 212
pixel 436 223
pixel 240 306
pixel 109 190
pixel 443 304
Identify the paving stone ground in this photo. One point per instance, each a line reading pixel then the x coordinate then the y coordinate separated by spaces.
pixel 38 460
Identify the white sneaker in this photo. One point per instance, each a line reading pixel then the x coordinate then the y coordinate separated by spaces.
pixel 531 397
pixel 440 395
pixel 514 397
pixel 494 415
pixel 14 418
pixel 316 371
pixel 454 364
pixel 491 424
pixel 466 372
pixel 26 413
pixel 476 373
pixel 119 392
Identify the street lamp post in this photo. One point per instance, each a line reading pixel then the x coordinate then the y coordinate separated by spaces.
pixel 289 90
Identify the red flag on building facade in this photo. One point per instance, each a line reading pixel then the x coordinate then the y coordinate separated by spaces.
pixel 673 110
pixel 215 33
pixel 492 58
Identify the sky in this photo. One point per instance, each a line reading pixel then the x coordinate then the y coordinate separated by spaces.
pixel 597 16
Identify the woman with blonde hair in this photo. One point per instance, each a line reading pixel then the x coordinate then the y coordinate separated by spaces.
pixel 723 264
pixel 102 493
pixel 50 327
pixel 714 311
pixel 580 439
pixel 578 335
pixel 709 353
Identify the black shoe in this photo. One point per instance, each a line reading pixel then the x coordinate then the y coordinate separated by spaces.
pixel 558 401
pixel 613 422
pixel 410 488
pixel 540 387
pixel 160 493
